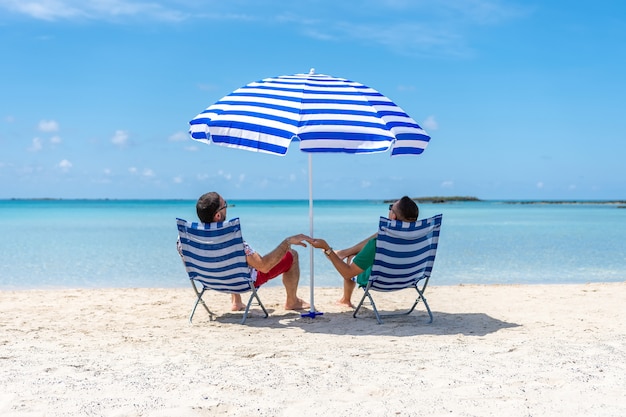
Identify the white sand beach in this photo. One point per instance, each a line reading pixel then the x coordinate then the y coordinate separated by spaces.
pixel 510 350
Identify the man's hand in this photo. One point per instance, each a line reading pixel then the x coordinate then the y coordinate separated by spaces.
pixel 298 240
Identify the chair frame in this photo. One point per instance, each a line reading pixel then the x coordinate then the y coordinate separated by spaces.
pixel 199 293
pixel 244 284
pixel 430 226
pixel 380 316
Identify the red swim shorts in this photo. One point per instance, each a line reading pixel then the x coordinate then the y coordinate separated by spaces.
pixel 280 268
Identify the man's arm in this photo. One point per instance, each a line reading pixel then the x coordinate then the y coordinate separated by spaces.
pixel 267 262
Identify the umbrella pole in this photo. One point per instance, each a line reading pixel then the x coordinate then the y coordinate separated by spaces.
pixel 312 313
pixel 311 253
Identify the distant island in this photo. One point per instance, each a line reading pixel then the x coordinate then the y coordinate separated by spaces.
pixel 619 203
pixel 438 200
pixel 452 199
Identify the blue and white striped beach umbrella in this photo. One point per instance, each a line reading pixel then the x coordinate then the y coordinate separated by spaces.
pixel 323 113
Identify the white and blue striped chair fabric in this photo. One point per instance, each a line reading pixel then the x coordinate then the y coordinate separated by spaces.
pixel 213 254
pixel 405 255
pixel 214 257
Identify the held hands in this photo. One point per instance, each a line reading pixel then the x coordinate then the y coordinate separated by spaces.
pixel 319 244
pixel 299 240
pixel 316 243
pixel 343 254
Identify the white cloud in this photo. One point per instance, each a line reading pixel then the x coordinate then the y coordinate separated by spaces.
pixel 36 145
pixel 442 28
pixel 178 137
pixel 178 180
pixel 430 123
pixel 146 172
pixel 65 165
pixel 106 171
pixel 540 185
pixel 52 10
pixel 192 148
pixel 9 119
pixel 55 140
pixel 48 126
pixel 447 184
pixel 224 175
pixel 120 138
pixel 366 184
pixel 418 38
pixel 315 33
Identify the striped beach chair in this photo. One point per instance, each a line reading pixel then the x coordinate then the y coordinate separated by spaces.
pixel 214 258
pixel 405 254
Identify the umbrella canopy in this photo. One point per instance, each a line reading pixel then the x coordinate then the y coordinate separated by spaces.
pixel 324 113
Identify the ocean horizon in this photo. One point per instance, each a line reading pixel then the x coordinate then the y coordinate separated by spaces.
pixel 103 243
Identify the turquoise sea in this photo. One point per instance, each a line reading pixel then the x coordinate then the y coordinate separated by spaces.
pixel 115 243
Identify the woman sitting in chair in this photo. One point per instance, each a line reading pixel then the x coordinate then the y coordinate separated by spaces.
pixel 360 257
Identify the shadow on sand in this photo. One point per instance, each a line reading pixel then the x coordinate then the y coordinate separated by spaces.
pixel 342 323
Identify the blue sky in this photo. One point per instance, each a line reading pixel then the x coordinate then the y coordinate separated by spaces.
pixel 523 99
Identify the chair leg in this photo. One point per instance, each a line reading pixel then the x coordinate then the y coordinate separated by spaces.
pixel 417 300
pixel 368 295
pixel 358 307
pixel 253 296
pixel 193 310
pixel 421 295
pixel 380 316
pixel 256 295
pixel 199 300
pixel 245 312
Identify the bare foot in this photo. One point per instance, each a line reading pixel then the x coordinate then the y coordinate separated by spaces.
pixel 345 303
pixel 238 307
pixel 298 305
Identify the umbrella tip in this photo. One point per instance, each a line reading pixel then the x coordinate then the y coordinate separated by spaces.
pixel 312 71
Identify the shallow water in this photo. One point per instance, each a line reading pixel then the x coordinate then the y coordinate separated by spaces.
pixel 102 243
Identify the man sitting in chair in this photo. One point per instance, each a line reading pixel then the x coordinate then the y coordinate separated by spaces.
pixel 360 257
pixel 211 208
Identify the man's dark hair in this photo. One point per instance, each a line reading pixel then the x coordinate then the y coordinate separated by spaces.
pixel 407 209
pixel 208 204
